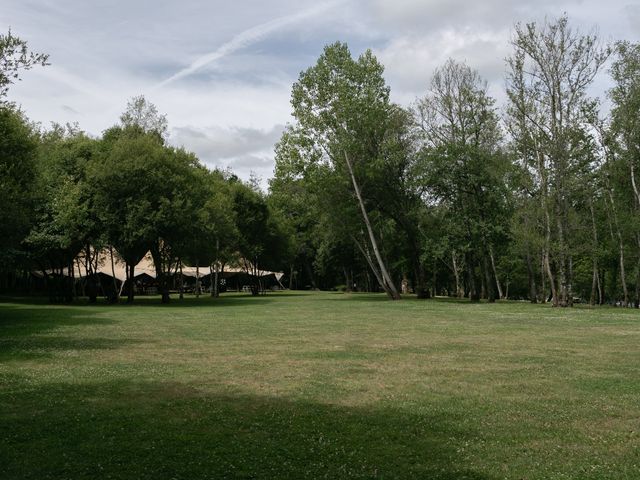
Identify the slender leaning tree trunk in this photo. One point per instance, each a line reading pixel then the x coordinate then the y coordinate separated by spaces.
pixel 392 290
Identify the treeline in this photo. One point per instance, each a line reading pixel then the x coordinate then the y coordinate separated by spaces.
pixel 67 197
pixel 538 199
pixel 453 195
pixel 128 193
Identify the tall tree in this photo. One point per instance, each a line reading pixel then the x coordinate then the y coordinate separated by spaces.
pixel 464 169
pixel 343 105
pixel 548 75
pixel 625 130
pixel 143 115
pixel 66 223
pixel 18 172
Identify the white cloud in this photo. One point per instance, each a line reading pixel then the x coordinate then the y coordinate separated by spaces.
pixel 223 143
pixel 248 37
pixel 411 60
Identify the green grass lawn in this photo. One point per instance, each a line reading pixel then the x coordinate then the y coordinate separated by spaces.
pixel 318 385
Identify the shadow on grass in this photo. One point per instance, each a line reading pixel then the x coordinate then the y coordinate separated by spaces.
pixel 225 299
pixel 167 430
pixel 23 332
pixel 24 320
pixel 31 347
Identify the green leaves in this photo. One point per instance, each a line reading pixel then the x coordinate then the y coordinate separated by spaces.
pixel 15 56
pixel 18 169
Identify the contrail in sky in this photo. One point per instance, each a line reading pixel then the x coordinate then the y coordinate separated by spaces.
pixel 246 38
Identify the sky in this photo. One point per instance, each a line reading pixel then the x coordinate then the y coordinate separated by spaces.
pixel 222 71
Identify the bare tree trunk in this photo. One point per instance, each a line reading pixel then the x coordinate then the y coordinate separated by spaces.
pixel 113 274
pixel 543 276
pixel 491 295
pixel 373 267
pixel 216 288
pixel 348 278
pixel 130 293
pixel 181 296
pixel 495 272
pixel 533 295
pixel 456 274
pixel 570 281
pixel 637 299
pixel 546 249
pixel 547 268
pixel 197 279
pixel 434 280
pixel 291 276
pixel 474 292
pixel 162 275
pixel 633 182
pixel 623 279
pixel 595 280
pixel 562 265
pixel 392 290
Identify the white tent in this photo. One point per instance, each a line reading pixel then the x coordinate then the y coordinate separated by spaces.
pixel 115 267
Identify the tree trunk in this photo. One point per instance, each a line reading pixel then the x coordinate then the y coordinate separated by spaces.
pixel 373 267
pixel 114 298
pixel 216 287
pixel 495 272
pixel 456 274
pixel 547 268
pixel 348 277
pixel 131 290
pixel 562 278
pixel 633 182
pixel 161 274
pixel 491 295
pixel 392 290
pixel 594 254
pixel 533 295
pixel 474 292
pixel 637 299
pixel 291 270
pixel 92 289
pixel 309 269
pixel 570 281
pixel 623 279
pixel 197 292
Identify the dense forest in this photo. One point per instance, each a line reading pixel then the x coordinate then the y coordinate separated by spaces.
pixel 454 195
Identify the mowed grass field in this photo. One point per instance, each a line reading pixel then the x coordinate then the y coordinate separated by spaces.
pixel 318 385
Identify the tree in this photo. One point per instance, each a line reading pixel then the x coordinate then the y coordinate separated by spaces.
pixel 149 195
pixel 18 167
pixel 143 115
pixel 214 237
pixel 343 105
pixel 464 170
pixel 66 221
pixel 262 242
pixel 293 195
pixel 625 133
pixel 145 193
pixel 14 57
pixel 549 72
